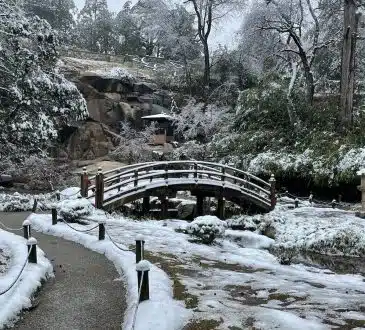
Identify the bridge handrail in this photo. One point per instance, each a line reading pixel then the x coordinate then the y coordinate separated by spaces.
pixel 166 163
pixel 119 168
pixel 174 172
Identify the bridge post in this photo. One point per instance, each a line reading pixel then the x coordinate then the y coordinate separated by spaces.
pixel 221 208
pixel 273 191
pixel 84 183
pixel 164 207
pixel 99 189
pixel 223 177
pixel 195 170
pixel 135 178
pixel 146 205
pixel 199 205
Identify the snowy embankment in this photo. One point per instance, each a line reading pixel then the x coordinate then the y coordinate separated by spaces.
pixel 19 297
pixel 160 312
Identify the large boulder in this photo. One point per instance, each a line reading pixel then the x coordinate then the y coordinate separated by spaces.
pixel 186 210
pixel 89 141
pixel 107 84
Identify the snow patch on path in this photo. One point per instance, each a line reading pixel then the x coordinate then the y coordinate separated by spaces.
pixel 19 296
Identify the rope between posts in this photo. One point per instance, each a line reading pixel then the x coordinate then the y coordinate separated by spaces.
pixel 81 231
pixel 20 273
pixel 114 243
pixel 10 229
pixel 71 194
pixel 139 297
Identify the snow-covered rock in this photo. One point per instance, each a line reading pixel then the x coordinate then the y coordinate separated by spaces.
pixel 206 228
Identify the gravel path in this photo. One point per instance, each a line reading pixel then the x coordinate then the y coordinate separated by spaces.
pixel 85 293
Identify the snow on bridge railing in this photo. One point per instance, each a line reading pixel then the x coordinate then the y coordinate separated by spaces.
pixel 131 179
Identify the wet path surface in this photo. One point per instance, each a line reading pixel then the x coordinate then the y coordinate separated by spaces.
pixel 85 292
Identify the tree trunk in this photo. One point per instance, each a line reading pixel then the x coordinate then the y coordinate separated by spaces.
pixel 206 64
pixel 348 63
pixel 309 81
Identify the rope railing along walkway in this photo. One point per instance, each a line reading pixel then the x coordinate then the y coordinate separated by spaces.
pixel 114 243
pixel 10 229
pixel 315 201
pixel 17 278
pixel 137 304
pixel 78 230
pixel 67 195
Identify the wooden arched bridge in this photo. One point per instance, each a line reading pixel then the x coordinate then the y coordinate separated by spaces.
pixel 164 179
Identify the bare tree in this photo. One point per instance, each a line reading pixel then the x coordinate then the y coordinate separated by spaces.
pixel 299 22
pixel 207 12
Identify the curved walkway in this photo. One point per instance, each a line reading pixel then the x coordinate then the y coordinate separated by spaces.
pixel 83 295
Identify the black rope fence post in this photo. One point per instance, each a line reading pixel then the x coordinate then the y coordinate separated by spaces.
pixel 101 230
pixel 296 202
pixel 143 268
pixel 272 182
pixel 35 203
pixel 84 184
pixel 54 216
pixel 32 250
pixel 26 229
pixel 139 248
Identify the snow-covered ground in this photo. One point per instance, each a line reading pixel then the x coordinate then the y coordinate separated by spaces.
pixel 234 282
pixel 13 250
pixel 322 230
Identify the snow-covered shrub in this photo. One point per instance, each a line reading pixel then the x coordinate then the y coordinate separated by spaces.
pixel 133 146
pixel 37 172
pixel 24 202
pixel 197 121
pixel 191 150
pixel 206 228
pixel 73 209
pixel 252 223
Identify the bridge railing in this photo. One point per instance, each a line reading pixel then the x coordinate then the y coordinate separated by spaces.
pixel 126 172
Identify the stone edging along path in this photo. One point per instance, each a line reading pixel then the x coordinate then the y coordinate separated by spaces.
pixel 85 292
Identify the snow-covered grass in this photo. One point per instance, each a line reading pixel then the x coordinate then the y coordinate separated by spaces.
pixel 160 312
pixel 14 249
pixel 234 282
pixel 321 230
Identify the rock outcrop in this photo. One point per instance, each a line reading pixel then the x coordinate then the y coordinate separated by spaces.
pixel 112 95
pixel 89 141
